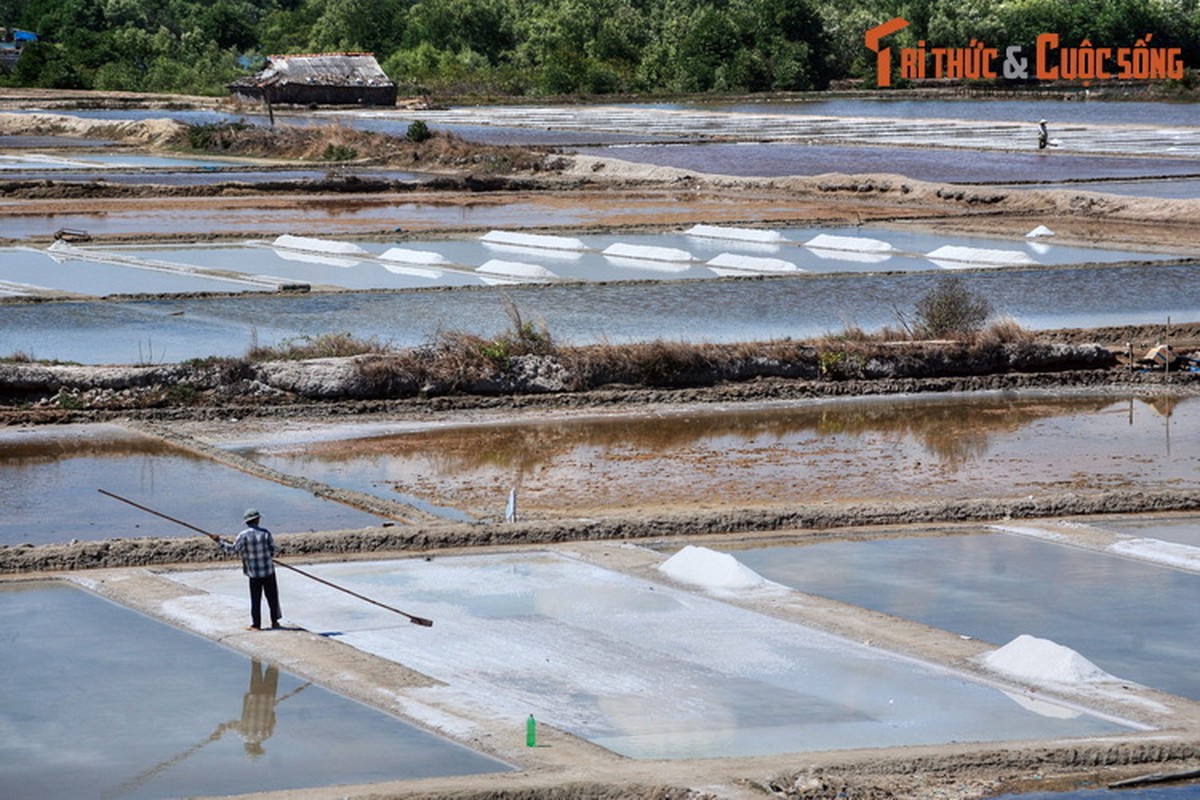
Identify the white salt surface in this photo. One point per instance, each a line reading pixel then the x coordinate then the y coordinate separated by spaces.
pixel 533 240
pixel 645 252
pixel 1171 554
pixel 1040 230
pixel 953 256
pixel 317 245
pixel 736 261
pixel 642 668
pixel 1043 661
pixel 736 234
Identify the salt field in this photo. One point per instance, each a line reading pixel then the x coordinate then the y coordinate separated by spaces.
pixel 645 670
pixel 929 447
pixel 152 711
pixel 1180 531
pixel 631 592
pixel 499 256
pixel 1119 613
pixel 175 329
pixel 49 477
pixel 806 282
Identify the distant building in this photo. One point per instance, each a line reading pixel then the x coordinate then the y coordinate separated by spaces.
pixel 11 44
pixel 326 79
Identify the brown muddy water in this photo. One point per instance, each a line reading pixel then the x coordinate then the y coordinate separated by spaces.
pixel 948 447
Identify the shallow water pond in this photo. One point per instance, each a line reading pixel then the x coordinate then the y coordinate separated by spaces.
pixel 49 479
pixel 1127 617
pixel 862 450
pixel 796 305
pixel 100 701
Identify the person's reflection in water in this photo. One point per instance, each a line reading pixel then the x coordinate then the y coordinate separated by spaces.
pixel 258 708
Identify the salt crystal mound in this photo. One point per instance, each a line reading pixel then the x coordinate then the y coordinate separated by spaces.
pixel 306 257
pixel 736 234
pixel 735 261
pixel 646 252
pixel 317 245
pixel 1040 230
pixel 515 269
pixel 1043 661
pixel 708 569
pixel 533 240
pixel 407 256
pixel 853 244
pixel 952 256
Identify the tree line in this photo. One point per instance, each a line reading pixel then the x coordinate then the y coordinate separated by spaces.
pixel 546 47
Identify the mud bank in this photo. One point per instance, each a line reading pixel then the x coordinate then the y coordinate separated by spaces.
pixel 462 367
pixel 429 537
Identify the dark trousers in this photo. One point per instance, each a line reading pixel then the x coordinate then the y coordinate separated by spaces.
pixel 257 587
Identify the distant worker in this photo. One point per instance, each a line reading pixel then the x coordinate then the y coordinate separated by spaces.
pixel 256 546
pixel 1043 135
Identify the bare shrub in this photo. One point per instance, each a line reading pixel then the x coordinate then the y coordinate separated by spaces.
pixel 951 310
pixel 1004 330
pixel 327 345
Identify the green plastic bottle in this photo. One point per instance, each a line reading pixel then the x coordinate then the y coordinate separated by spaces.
pixel 531 732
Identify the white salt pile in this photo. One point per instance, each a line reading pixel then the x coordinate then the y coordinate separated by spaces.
pixel 1043 661
pixel 409 256
pixel 735 234
pixel 317 245
pixel 647 252
pixel 708 569
pixel 955 257
pixel 1040 230
pixel 854 244
pixel 533 240
pixel 737 261
pixel 516 269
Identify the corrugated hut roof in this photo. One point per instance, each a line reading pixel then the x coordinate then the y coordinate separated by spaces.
pixel 320 69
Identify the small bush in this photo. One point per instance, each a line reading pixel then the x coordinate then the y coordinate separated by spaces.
pixel 418 132
pixel 951 310
pixel 327 345
pixel 339 152
pixel 1005 330
pixel 215 135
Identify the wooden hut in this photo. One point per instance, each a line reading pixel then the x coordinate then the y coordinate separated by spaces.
pixel 324 79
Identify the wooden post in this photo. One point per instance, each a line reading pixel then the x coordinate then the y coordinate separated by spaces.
pixel 1167 344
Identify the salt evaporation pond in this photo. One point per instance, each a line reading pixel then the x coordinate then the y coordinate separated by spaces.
pixel 928 447
pixel 644 669
pixel 1130 618
pixel 100 701
pixel 999 167
pixel 50 477
pixel 700 252
pixel 1185 530
pixel 797 306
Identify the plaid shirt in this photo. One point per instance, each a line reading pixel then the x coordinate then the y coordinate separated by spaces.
pixel 256 546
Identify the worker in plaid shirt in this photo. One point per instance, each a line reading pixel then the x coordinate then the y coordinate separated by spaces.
pixel 256 546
